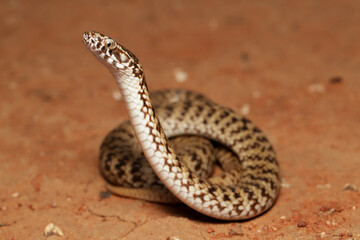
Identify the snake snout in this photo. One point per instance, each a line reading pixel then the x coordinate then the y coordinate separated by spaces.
pixel 86 37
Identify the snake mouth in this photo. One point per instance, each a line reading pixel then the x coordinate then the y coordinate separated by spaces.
pixel 95 42
pixel 86 38
pixel 90 38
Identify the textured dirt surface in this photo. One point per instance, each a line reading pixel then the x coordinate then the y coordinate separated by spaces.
pixel 292 66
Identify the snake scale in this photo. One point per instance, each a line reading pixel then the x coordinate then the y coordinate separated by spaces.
pixel 250 184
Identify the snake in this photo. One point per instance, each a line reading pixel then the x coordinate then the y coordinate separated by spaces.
pixel 250 184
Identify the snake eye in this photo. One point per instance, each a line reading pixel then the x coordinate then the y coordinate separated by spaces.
pixel 109 43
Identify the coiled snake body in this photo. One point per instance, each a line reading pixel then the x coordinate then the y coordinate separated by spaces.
pixel 250 183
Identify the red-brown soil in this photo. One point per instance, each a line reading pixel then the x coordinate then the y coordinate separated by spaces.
pixel 293 66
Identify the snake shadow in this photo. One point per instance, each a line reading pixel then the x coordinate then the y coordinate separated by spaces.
pixel 181 210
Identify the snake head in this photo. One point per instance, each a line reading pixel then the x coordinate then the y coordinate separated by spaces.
pixel 118 59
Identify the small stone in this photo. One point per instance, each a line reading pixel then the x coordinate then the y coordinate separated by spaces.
pixel 327 210
pixel 284 184
pixel 323 234
pixel 173 238
pixel 180 75
pixel 210 230
pixel 335 80
pixel 15 195
pixel 316 88
pixel 350 187
pixel 117 95
pixel 283 217
pixel 245 109
pixel 51 229
pixel 302 223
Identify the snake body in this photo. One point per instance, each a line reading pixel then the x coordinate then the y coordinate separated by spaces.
pixel 255 181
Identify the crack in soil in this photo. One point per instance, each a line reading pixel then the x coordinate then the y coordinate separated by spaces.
pixel 135 224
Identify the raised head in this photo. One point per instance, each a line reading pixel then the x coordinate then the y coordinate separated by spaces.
pixel 118 59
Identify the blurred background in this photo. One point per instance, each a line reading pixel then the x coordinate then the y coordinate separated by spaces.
pixel 292 67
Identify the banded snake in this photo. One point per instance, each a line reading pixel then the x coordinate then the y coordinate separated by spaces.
pixel 254 176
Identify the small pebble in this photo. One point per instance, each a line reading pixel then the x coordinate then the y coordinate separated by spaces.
pixel 302 223
pixel 117 95
pixel 173 238
pixel 350 187
pixel 335 80
pixel 327 210
pixel 245 109
pixel 15 195
pixel 283 217
pixel 316 88
pixel 323 234
pixel 51 229
pixel 284 184
pixel 330 223
pixel 180 75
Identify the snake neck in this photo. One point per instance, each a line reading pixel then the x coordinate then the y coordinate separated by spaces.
pixel 146 125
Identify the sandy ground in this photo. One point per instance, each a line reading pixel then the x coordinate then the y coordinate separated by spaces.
pixel 292 66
